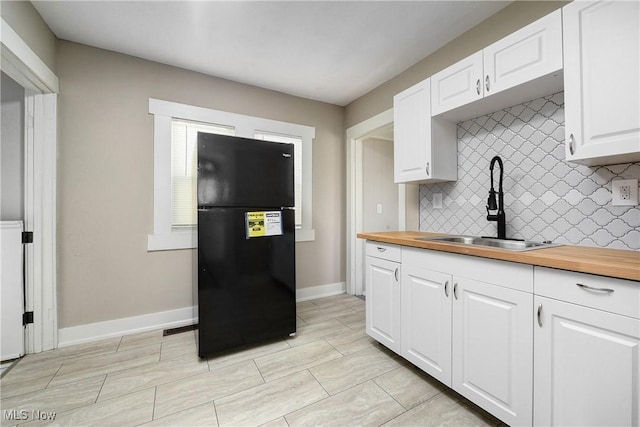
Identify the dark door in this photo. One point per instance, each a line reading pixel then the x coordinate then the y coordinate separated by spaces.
pixel 241 172
pixel 246 286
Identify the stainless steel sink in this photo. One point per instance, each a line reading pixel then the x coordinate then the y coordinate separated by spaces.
pixel 509 245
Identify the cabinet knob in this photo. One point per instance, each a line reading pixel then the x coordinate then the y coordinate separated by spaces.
pixel 478 86
pixel 455 290
pixel 572 145
pixel 486 83
pixel 426 169
pixel 446 288
pixel 381 249
pixel 540 315
pixel 395 273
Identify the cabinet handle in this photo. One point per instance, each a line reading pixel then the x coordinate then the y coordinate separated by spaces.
pixel 381 249
pixel 455 290
pixel 486 83
pixel 478 86
pixel 540 315
pixel 446 288
pixel 395 273
pixel 590 288
pixel 572 145
pixel 426 169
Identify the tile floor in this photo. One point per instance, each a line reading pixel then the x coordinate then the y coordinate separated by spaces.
pixel 330 374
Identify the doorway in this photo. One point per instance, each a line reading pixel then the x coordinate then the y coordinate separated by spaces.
pixel 39 141
pixel 379 192
pixel 378 129
pixel 12 217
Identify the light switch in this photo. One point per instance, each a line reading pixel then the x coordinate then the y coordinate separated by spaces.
pixel 437 200
pixel 379 208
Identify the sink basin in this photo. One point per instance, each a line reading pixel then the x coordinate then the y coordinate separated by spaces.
pixel 509 245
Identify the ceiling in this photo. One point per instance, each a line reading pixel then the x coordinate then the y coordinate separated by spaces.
pixel 331 51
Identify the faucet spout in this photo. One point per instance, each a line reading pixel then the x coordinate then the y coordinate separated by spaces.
pixel 499 216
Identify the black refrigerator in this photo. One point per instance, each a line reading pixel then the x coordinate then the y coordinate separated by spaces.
pixel 246 242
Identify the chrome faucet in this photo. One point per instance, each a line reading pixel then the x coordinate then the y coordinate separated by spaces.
pixel 491 202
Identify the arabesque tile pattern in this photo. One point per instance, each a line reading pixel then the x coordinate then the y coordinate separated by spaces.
pixel 546 198
pixel 330 374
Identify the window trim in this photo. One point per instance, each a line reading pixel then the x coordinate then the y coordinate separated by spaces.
pixel 165 237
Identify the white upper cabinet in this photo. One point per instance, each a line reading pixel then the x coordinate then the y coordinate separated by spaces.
pixel 424 149
pixel 602 81
pixel 522 66
pixel 529 53
pixel 457 85
pixel 411 154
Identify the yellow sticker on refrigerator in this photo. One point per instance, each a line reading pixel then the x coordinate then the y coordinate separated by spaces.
pixel 261 224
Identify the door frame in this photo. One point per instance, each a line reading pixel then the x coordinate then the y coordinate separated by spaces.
pixel 24 66
pixel 355 246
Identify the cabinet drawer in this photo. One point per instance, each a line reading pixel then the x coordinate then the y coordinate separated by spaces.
pixel 603 293
pixel 384 250
pixel 502 273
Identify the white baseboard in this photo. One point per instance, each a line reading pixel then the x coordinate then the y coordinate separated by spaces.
pixel 127 325
pixel 165 319
pixel 320 291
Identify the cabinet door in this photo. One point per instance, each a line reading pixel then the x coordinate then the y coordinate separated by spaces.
pixel 383 302
pixel 529 53
pixel 587 365
pixel 601 69
pixel 457 85
pixel 426 321
pixel 412 134
pixel 493 349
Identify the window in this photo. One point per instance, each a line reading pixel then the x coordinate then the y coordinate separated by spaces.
pixel 184 165
pixel 297 175
pixel 175 140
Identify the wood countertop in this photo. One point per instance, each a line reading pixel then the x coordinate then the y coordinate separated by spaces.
pixel 617 263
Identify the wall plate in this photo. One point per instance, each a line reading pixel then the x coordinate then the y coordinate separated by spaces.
pixel 624 192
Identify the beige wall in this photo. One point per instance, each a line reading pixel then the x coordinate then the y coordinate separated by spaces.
pixel 105 182
pixel 378 186
pixel 508 20
pixel 25 20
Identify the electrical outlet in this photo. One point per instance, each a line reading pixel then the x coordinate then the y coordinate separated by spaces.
pixel 624 192
pixel 379 208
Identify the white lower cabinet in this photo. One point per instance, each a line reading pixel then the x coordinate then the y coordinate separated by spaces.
pixel 472 336
pixel 587 355
pixel 493 349
pixel 383 294
pixel 426 320
pixel 483 327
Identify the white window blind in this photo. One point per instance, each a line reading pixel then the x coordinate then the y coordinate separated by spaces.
pixel 184 169
pixel 297 156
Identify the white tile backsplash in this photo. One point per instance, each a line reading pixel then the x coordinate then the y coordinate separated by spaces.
pixel 546 198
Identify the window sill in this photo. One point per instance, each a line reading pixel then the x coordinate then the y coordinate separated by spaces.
pixel 305 235
pixel 188 239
